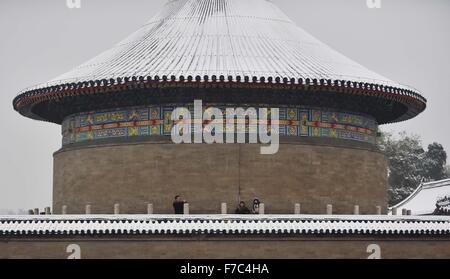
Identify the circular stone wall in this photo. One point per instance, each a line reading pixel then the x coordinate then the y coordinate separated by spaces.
pixel 311 171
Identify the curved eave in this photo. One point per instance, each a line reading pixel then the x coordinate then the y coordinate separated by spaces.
pixel 27 101
pixel 422 187
pixel 409 198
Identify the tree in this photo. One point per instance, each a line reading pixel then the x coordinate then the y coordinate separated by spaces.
pixel 435 162
pixel 447 171
pixel 410 164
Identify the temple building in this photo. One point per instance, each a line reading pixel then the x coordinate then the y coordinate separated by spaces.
pixel 117 154
pixel 431 198
pixel 115 113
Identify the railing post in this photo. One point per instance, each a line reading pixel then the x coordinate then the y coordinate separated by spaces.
pixel 64 210
pixel 186 209
pixel 88 209
pixel 262 209
pixel 378 208
pixel 356 210
pixel 394 211
pixel 329 209
pixel 298 209
pixel 224 209
pixel 150 209
pixel 116 209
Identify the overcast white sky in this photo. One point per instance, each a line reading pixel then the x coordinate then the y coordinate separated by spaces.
pixel 406 40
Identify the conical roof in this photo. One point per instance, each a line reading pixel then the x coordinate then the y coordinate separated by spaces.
pixel 222 37
pixel 229 38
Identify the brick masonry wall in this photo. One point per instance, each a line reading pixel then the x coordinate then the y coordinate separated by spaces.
pixel 228 248
pixel 134 174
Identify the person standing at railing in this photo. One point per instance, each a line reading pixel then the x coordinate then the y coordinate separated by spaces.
pixel 242 209
pixel 256 204
pixel 178 205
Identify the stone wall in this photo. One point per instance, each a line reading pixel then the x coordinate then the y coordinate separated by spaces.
pixel 133 174
pixel 228 248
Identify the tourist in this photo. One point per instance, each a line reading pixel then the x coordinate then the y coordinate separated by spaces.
pixel 178 205
pixel 242 209
pixel 256 203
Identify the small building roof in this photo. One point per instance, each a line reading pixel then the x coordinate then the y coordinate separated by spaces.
pixel 424 200
pixel 222 225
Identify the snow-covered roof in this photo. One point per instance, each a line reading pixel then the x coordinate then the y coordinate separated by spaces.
pixel 223 37
pixel 228 44
pixel 423 200
pixel 221 224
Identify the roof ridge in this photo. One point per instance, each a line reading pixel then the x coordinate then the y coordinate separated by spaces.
pixel 436 184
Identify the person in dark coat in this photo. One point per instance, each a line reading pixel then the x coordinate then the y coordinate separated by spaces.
pixel 242 209
pixel 178 205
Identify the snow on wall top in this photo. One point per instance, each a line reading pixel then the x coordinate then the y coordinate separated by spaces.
pixel 222 224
